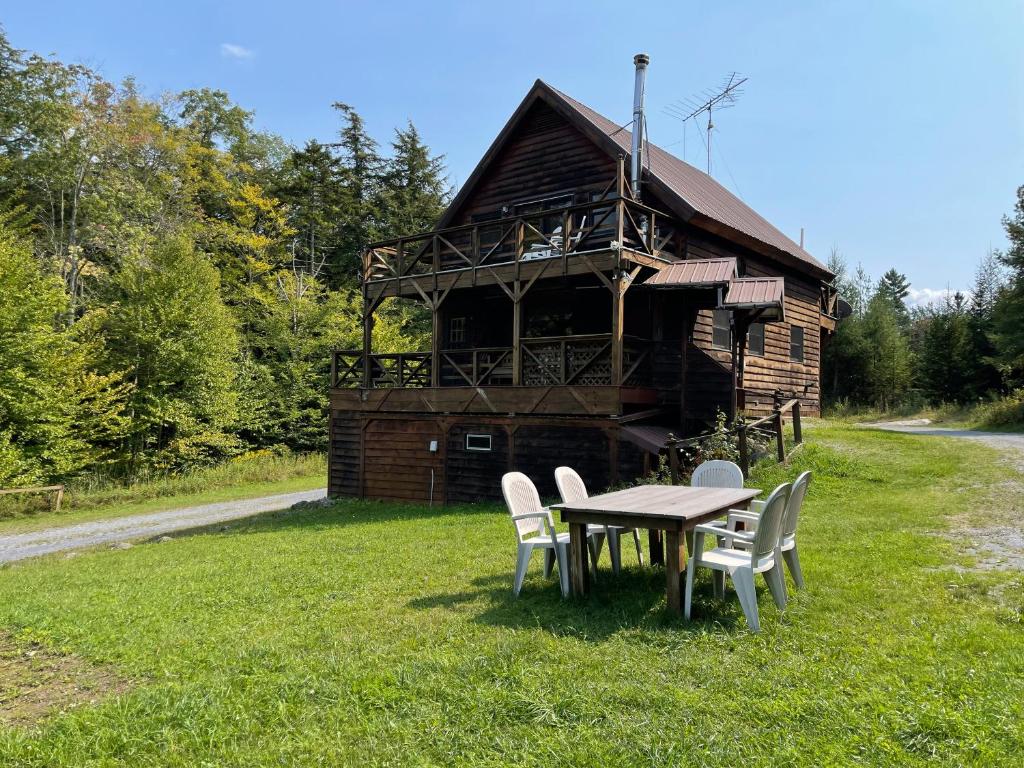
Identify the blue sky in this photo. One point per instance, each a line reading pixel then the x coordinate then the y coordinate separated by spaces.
pixel 893 130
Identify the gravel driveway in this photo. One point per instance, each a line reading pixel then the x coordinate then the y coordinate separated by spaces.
pixel 1010 443
pixel 998 544
pixel 18 546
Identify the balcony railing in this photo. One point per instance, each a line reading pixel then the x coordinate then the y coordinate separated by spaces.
pixel 554 234
pixel 582 360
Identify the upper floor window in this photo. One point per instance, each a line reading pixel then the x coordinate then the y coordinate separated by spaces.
pixel 796 343
pixel 721 330
pixel 755 339
pixel 457 331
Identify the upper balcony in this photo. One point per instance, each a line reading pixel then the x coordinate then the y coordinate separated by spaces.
pixel 570 240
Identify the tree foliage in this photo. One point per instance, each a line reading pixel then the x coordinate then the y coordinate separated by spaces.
pixel 175 279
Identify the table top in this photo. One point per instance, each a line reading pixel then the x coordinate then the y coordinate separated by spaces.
pixel 672 502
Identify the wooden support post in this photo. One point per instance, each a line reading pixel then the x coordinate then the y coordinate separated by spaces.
pixel 744 449
pixel 517 332
pixel 367 340
pixel 435 342
pixel 673 460
pixel 619 285
pixel 655 544
pixel 689 320
pixel 780 437
pixel 742 328
pixel 675 566
pixel 798 433
pixel 734 372
pixel 578 557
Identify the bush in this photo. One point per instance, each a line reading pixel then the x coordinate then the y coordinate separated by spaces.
pixel 1004 412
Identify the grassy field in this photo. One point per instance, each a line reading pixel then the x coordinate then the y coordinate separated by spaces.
pixel 240 479
pixel 373 634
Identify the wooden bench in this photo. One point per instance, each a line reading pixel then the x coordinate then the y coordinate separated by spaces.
pixel 56 490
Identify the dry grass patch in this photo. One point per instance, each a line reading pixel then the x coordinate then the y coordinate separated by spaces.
pixel 36 683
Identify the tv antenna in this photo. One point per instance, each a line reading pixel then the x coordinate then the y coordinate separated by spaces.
pixel 707 101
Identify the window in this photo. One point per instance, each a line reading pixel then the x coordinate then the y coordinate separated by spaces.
pixel 721 332
pixel 755 339
pixel 457 331
pixel 478 442
pixel 796 343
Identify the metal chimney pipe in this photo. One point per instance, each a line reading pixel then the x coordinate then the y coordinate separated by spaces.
pixel 641 60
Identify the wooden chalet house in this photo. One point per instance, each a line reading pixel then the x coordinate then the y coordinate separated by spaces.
pixel 589 295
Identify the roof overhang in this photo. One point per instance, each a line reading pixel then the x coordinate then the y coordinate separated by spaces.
pixel 761 297
pixel 694 273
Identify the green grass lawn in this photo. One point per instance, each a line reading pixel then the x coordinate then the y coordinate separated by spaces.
pixel 374 634
pixel 264 476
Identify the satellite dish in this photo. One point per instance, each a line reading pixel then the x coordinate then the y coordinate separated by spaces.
pixel 843 308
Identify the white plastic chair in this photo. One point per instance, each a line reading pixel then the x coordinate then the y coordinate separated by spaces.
pixel 787 535
pixel 572 488
pixel 717 474
pixel 535 529
pixel 762 556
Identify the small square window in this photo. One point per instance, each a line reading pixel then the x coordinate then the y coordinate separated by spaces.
pixel 478 442
pixel 796 343
pixel 755 339
pixel 721 329
pixel 457 331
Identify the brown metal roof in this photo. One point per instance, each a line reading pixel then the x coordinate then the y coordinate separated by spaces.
pixel 694 273
pixel 765 293
pixel 697 189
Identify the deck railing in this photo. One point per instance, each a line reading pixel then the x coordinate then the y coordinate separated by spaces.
pixel 763 431
pixel 553 234
pixel 581 360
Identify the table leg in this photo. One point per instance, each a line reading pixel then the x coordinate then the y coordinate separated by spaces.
pixel 675 566
pixel 579 566
pixel 655 545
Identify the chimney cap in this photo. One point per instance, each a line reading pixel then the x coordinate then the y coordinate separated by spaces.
pixel 641 59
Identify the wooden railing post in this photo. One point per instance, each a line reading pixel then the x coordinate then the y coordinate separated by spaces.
pixel 741 439
pixel 798 435
pixel 334 369
pixel 780 437
pixel 672 445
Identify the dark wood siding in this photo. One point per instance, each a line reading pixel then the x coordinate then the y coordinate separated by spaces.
pixel 397 462
pixel 476 475
pixel 709 376
pixel 776 370
pixel 540 449
pixel 545 156
pixel 343 461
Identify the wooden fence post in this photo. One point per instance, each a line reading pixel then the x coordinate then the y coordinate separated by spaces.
pixel 673 459
pixel 780 437
pixel 741 437
pixel 798 435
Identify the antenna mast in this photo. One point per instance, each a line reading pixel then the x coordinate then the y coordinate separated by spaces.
pixel 707 101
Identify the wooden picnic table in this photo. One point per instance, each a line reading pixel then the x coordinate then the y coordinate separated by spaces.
pixel 674 509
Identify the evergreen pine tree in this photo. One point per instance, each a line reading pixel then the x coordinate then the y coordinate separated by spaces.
pixel 1009 313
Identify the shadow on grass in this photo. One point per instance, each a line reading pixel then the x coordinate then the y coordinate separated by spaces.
pixel 630 601
pixel 634 600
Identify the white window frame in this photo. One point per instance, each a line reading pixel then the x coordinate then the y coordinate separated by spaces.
pixel 477 435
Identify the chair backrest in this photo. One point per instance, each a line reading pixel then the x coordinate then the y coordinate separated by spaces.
pixel 770 523
pixel 521 498
pixel 796 500
pixel 570 485
pixel 717 474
